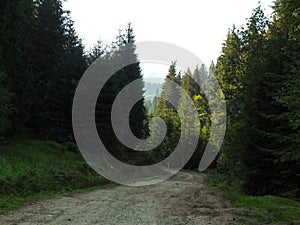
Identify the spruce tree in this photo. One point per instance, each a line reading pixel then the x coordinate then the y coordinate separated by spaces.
pixel 16 27
pixel 124 48
pixel 168 113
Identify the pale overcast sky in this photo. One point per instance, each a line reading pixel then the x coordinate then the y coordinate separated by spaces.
pixel 197 25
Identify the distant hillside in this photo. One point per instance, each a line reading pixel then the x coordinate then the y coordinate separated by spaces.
pixel 151 89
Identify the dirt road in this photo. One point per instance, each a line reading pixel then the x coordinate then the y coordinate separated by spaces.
pixel 183 199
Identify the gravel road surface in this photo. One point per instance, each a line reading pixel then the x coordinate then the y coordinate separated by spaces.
pixel 183 199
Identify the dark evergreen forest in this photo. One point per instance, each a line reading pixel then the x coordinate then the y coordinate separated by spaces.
pixel 42 60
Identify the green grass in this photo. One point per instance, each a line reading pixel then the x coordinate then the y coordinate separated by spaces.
pixel 36 169
pixel 257 209
pixel 14 201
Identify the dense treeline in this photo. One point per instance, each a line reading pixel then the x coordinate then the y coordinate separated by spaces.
pixel 41 61
pixel 258 71
pixel 259 74
pixel 111 57
pixel 170 113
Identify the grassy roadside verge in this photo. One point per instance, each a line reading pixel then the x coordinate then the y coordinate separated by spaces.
pixel 31 170
pixel 258 209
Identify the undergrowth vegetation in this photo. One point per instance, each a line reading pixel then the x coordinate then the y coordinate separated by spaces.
pixel 33 169
pixel 255 209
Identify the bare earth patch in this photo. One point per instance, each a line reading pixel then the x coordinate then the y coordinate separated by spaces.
pixel 183 199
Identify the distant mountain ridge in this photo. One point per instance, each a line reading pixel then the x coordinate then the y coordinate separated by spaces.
pixel 151 89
